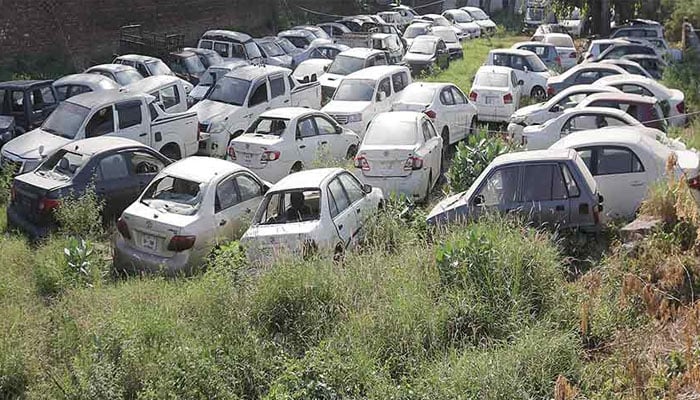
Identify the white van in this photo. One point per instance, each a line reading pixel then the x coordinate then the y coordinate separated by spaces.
pixel 169 90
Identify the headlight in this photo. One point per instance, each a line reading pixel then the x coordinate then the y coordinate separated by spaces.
pixel 355 118
pixel 217 127
pixel 518 119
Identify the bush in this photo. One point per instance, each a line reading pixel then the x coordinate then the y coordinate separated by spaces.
pixel 81 215
pixel 472 158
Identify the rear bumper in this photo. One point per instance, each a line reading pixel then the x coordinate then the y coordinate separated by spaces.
pixel 412 186
pixel 134 261
pixel 15 220
pixel 494 114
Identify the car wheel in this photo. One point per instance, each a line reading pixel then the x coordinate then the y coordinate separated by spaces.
pixel 426 197
pixel 473 129
pixel 172 151
pixel 446 148
pixel 339 253
pixel 296 167
pixel 352 151
pixel 538 93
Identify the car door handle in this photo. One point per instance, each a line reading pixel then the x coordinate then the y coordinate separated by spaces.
pixel 303 146
pixel 248 211
pixel 359 210
pixel 286 101
pixel 143 134
pixel 559 208
pixel 637 183
pixel 222 222
pixel 324 142
pixel 340 227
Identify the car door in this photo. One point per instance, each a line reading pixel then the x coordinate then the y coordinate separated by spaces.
pixel 101 123
pixel 307 140
pixel 519 64
pixel 278 96
pixel 432 148
pixel 131 122
pixel 589 121
pixel 144 166
pixel 449 115
pixel 43 102
pixel 543 194
pixel 344 217
pixel 330 140
pixel 226 213
pixel 114 184
pixel 362 205
pixel 383 105
pixel 497 193
pixel 622 178
pixel 258 102
pixel 463 115
pixel 443 56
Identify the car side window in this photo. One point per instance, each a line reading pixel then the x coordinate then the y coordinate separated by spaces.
pixel 500 188
pixel 276 86
pixel 635 89
pixel 400 81
pixel 226 195
pixel 425 128
pixel 571 186
pixel 62 92
pixel 142 163
pixel 384 87
pixel 129 114
pixel 587 77
pixel 221 48
pixel 617 160
pixel 352 187
pixel 537 183
pixel 339 197
pixel 458 96
pixel 446 97
pixel 169 97
pixel 79 89
pixel 113 167
pixel 248 188
pixel 142 70
pixel 325 127
pixel 259 95
pixel 501 60
pixel 518 63
pixel 306 128
pixel 101 123
pixel 380 60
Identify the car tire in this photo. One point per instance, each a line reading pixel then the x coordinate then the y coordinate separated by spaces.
pixel 538 93
pixel 473 129
pixel 172 151
pixel 352 151
pixel 298 166
pixel 339 253
pixel 426 197
pixel 446 147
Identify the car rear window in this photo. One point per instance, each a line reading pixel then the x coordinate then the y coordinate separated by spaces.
pixel 559 41
pixel 491 79
pixel 389 131
pixel 289 206
pixel 417 95
pixel 62 165
pixel 268 126
pixel 173 195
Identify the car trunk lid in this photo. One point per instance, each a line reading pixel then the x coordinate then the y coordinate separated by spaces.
pixel 387 161
pixel 152 229
pixel 249 149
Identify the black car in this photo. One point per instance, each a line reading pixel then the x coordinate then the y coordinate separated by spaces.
pixel 186 65
pixel 120 169
pixel 426 54
pixel 24 105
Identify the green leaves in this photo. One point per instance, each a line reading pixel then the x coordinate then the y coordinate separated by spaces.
pixel 472 158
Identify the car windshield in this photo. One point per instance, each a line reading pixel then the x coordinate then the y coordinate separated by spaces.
pixel 158 68
pixel 559 41
pixel 252 50
pixel 268 126
pixel 128 76
pixel 173 195
pixel 212 75
pixel 193 65
pixel 230 91
pixel 271 49
pixel 448 36
pixel 62 165
pixel 462 16
pixel 346 65
pixel 536 63
pixel 388 131
pixel 413 31
pixel 422 47
pixel 289 206
pixel 66 120
pixel 286 45
pixel 417 95
pixel 298 41
pixel 491 79
pixel 478 15
pixel 355 90
pixel 212 58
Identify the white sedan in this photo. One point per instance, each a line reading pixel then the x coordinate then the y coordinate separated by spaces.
pixel 286 140
pixel 540 113
pixel 496 93
pixel 673 100
pixel 322 210
pixel 565 47
pixel 190 207
pixel 626 162
pixel 528 68
pixel 539 137
pixel 401 153
pixel 452 113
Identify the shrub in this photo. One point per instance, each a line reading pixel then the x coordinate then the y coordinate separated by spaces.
pixel 81 215
pixel 472 158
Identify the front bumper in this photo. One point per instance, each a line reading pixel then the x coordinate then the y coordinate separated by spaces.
pixel 134 261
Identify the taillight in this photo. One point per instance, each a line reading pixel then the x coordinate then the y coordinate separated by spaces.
pixel 557 60
pixel 473 96
pixel 47 205
pixel 231 152
pixel 694 183
pixel 431 114
pixel 550 91
pixel 123 229
pixel 573 54
pixel 508 98
pixel 681 107
pixel 361 162
pixel 269 155
pixel 181 243
pixel 413 163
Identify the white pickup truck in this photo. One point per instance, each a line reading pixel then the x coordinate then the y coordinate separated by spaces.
pixel 238 99
pixel 136 116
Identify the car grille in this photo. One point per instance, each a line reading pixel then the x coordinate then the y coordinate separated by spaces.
pixel 341 119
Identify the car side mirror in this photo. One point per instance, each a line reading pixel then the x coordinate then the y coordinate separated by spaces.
pixel 556 108
pixel 338 129
pixel 521 82
pixel 325 68
pixel 381 96
pixel 367 188
pixel 478 200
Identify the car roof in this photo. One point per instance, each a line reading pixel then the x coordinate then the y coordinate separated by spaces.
pixel 103 98
pixel 420 24
pixel 556 34
pixel 596 110
pixel 608 135
pixel 310 178
pixel 23 84
pixel 531 43
pixel 250 72
pixel 519 52
pixel 101 144
pixel 232 35
pixel 427 38
pixel 535 155
pixel 295 32
pixel 137 58
pixel 289 112
pixel 199 50
pixel 435 85
pixel 470 8
pixel 376 72
pixel 229 65
pixel 621 96
pixel 83 78
pixel 633 78
pixel 111 67
pixel 151 83
pixel 202 169
pixel 360 52
pixel 400 116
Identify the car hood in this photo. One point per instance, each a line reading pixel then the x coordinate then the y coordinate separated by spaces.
pixel 486 23
pixel 346 107
pixel 528 110
pixel 281 61
pixel 27 146
pixel 209 111
pixel 418 58
pixel 6 122
pixel 468 26
pixel 330 80
pixel 445 210
pixel 199 91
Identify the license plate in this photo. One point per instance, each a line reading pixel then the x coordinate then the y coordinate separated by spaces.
pixel 491 100
pixel 149 242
